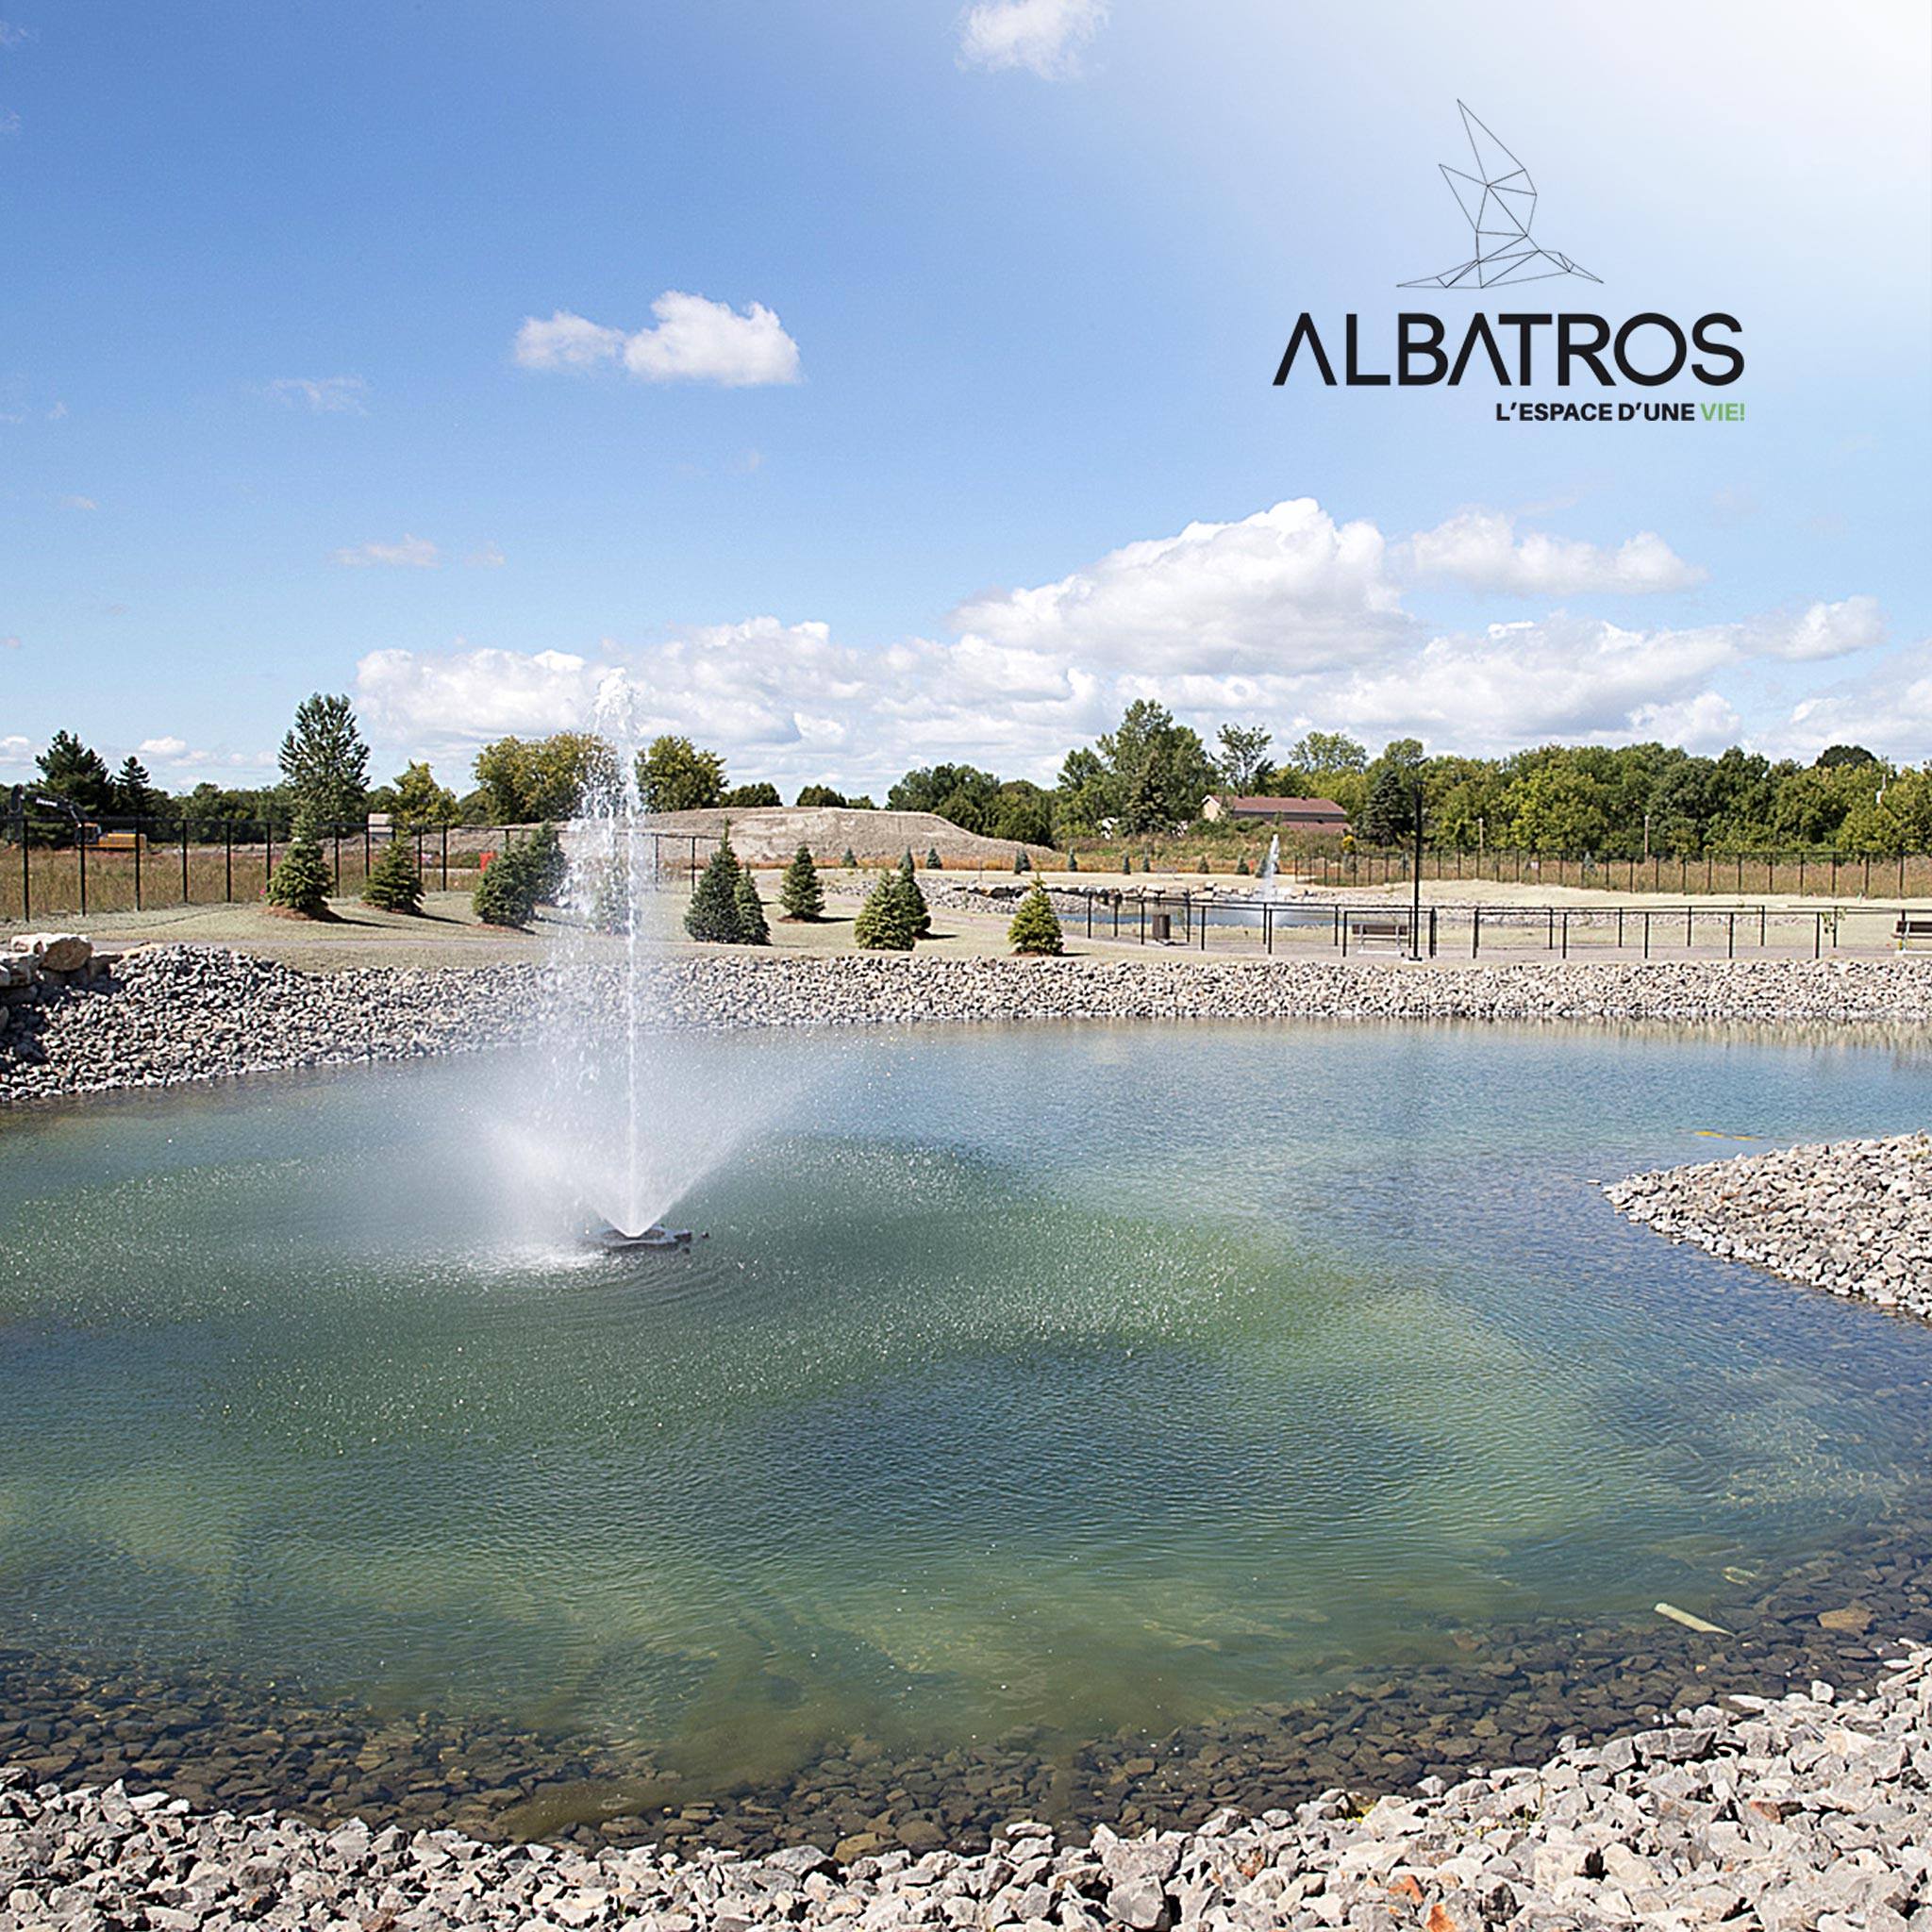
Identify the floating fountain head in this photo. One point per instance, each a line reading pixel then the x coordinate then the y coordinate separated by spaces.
pixel 613 1241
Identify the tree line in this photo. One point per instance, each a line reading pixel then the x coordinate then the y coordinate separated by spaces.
pixel 1150 774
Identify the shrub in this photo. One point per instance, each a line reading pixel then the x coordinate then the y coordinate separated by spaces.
pixel 1073 860
pixel 394 882
pixel 752 929
pixel 300 883
pixel 851 859
pixel 885 922
pixel 1021 862
pixel 713 914
pixel 505 891
pixel 916 909
pixel 799 892
pixel 932 859
pixel 548 865
pixel 1036 926
pixel 1240 865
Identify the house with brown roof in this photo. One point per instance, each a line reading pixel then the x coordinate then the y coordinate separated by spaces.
pixel 1293 814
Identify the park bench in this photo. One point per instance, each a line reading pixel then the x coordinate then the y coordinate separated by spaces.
pixel 1910 927
pixel 1394 932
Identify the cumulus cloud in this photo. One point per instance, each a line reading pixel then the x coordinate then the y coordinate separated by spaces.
pixel 1288 588
pixel 1286 617
pixel 1481 549
pixel 17 751
pixel 1820 631
pixel 1044 37
pixel 411 553
pixel 325 395
pixel 161 747
pixel 485 557
pixel 694 341
pixel 1889 710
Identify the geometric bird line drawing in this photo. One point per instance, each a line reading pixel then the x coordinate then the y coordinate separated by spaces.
pixel 1500 201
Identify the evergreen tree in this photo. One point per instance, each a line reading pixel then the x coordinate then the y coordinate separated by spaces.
pixel 1021 862
pixel 394 883
pixel 300 882
pixel 135 797
pixel 1036 926
pixel 713 914
pixel 1073 860
pixel 505 893
pixel 1128 862
pixel 325 763
pixel 800 892
pixel 752 929
pixel 548 863
pixel 885 922
pixel 916 907
pixel 932 859
pixel 1240 865
pixel 851 859
pixel 77 772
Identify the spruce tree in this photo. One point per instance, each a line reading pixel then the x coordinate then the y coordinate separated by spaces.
pixel 916 909
pixel 549 867
pixel 394 883
pixel 300 880
pixel 885 921
pixel 505 892
pixel 799 892
pixel 1036 926
pixel 1073 860
pixel 932 859
pixel 752 929
pixel 1021 862
pixel 714 914
pixel 851 859
pixel 1240 865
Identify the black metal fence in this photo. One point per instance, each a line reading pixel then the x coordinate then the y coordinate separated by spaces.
pixel 136 865
pixel 1217 922
pixel 1796 873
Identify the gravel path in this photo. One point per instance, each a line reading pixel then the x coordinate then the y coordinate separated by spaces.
pixel 1854 1217
pixel 1803 1812
pixel 183 1013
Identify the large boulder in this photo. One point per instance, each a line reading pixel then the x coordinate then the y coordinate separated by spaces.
pixel 56 952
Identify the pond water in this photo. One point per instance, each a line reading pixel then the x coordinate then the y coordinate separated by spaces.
pixel 1037 1394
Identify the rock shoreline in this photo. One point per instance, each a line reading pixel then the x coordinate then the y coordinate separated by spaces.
pixel 188 1013
pixel 1805 1811
pixel 1854 1217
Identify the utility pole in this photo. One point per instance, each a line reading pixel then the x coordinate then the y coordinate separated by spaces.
pixel 1646 838
pixel 1415 912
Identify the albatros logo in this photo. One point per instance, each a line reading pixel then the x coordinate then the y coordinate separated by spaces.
pixel 1520 346
pixel 1500 202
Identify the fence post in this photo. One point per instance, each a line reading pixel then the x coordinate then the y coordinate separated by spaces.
pixel 1268 929
pixel 228 861
pixel 137 865
pixel 1686 928
pixel 1817 935
pixel 1432 932
pixel 1731 936
pixel 446 854
pixel 184 857
pixel 26 873
pixel 1620 928
pixel 1566 932
pixel 1475 931
pixel 1646 932
pixel 80 848
pixel 1761 918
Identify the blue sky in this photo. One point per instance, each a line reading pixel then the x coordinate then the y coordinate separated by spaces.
pixel 963 433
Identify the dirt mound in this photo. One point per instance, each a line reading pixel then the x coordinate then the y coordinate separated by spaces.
pixel 769 835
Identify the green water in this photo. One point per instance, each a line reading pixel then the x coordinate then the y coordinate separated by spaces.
pixel 1030 1383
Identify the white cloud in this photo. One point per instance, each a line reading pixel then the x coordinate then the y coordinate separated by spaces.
pixel 79 503
pixel 411 553
pixel 1821 631
pixel 1480 548
pixel 694 341
pixel 9 121
pixel 12 35
pixel 485 557
pixel 16 750
pixel 166 748
pixel 1045 37
pixel 1286 617
pixel 326 395
pixel 10 643
pixel 1287 590
pixel 1889 710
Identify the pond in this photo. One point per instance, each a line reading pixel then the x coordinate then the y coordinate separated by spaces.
pixel 1102 1420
